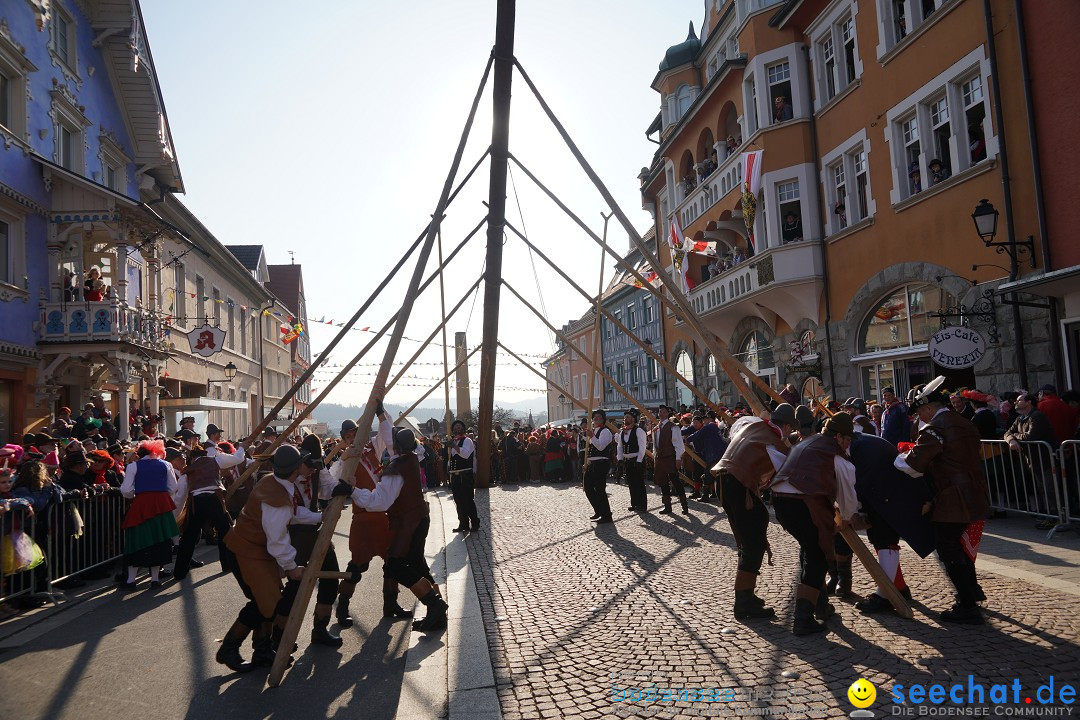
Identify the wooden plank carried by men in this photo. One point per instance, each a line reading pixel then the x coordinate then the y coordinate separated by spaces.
pixel 333 510
pixel 590 396
pixel 500 142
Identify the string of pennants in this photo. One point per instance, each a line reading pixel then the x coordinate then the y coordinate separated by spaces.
pixel 433 381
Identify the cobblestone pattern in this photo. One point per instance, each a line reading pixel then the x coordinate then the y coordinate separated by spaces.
pixel 572 609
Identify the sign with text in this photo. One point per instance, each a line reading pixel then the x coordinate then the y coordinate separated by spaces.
pixel 957 347
pixel 206 340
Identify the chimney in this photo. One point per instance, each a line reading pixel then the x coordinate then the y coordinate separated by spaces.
pixel 464 402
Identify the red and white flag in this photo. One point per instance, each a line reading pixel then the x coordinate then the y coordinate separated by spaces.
pixel 679 259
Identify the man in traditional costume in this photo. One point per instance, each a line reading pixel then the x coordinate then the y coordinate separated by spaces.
pixel 668 450
pixel 631 452
pixel 598 464
pixel 462 448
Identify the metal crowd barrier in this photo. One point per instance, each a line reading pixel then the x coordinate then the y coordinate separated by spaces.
pixel 20 583
pixel 1029 482
pixel 76 536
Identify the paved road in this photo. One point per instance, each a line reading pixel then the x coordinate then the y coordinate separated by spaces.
pixel 573 610
pixel 151 655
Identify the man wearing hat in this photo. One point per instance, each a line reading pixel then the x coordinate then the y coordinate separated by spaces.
pixel 462 448
pixel 598 464
pixel 260 553
pixel 948 449
pixel 856 408
pixel 757 448
pixel 815 475
pixel 668 450
pixel 62 427
pixel 400 495
pixel 631 452
pixel 895 425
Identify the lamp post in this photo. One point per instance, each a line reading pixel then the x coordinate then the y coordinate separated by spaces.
pixel 985 218
pixel 230 375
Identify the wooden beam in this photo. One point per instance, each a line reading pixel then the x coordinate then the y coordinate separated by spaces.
pixel 449 373
pixel 590 394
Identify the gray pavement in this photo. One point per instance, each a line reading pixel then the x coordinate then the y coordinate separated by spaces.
pixel 581 614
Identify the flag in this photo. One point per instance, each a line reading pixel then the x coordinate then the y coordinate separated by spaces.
pixel 679 259
pixel 701 247
pixel 751 166
pixel 649 276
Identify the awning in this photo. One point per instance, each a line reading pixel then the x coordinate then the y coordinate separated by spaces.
pixel 201 403
pixel 1056 283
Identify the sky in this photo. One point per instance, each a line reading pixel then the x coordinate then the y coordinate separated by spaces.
pixel 326 131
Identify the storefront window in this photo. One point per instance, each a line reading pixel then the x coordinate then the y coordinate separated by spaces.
pixel 685 368
pixel 903 320
pixel 756 353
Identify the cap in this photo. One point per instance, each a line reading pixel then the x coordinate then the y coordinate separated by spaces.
pixel 226 447
pixel 188 419
pixel 286 460
pixel 858 403
pixel 888 389
pixel 784 414
pixel 186 434
pixel 212 429
pixel 116 448
pixel 404 441
pixel 100 456
pixel 347 426
pixel 172 454
pixel 311 445
pixel 804 417
pixel 270 432
pixel 65 409
pixel 840 424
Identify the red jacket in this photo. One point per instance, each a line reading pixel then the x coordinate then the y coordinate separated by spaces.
pixel 1061 416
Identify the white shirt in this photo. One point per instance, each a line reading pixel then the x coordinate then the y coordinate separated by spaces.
pixel 624 437
pixel 224 461
pixel 846 499
pixel 466 450
pixel 600 441
pixel 127 489
pixel 676 439
pixel 275 524
pixel 384 441
pixel 382 497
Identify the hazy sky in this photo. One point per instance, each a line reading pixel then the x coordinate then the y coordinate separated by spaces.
pixel 327 129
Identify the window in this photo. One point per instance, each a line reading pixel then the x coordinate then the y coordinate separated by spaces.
pixel 836 54
pixel 909 132
pixel 6 254
pixel 12 253
pixel 710 364
pixel 651 370
pixel 200 301
pixel 901 17
pixel 754 120
pixel 847 183
pixel 631 317
pixel 620 376
pixel 69 145
pixel 757 354
pixel 113 164
pixel 618 316
pixel 635 372
pixel 6 84
pixel 903 318
pixel 929 126
pixel 63 36
pixel 598 382
pixel 647 314
pixel 230 337
pixel 685 367
pixel 242 328
pixel 216 299
pixel 779 76
pixel 683 99
pixel 574 387
pixel 179 293
pixel 787 195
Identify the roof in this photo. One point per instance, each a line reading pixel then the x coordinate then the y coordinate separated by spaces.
pixel 248 255
pixel 682 53
pixel 287 283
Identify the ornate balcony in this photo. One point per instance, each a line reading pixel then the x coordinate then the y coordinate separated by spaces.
pixel 709 191
pixel 109 321
pixel 785 282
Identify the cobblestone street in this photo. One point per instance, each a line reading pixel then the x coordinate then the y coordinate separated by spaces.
pixel 578 616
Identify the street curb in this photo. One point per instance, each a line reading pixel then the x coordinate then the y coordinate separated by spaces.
pixel 450 675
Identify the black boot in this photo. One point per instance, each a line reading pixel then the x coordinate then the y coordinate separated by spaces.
pixel 844 578
pixel 229 652
pixel 805 624
pixel 834 578
pixel 436 613
pixel 390 607
pixel 263 651
pixel 342 612
pixel 750 607
pixel 275 639
pixel 824 609
pixel 321 635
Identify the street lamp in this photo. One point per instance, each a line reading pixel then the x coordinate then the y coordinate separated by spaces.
pixel 230 375
pixel 985 218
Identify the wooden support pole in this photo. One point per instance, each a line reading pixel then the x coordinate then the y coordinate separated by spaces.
pixel 714 344
pixel 596 368
pixel 333 511
pixel 356 316
pixel 590 395
pixel 622 328
pixel 424 345
pixel 500 149
pixel 447 417
pixel 345 370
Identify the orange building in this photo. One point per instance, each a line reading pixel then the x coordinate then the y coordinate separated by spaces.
pixel 880 131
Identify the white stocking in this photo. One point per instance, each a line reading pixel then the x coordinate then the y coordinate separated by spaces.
pixel 890 561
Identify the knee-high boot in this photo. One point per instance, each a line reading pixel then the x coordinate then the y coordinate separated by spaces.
pixel 806 598
pixel 747 604
pixel 229 652
pixel 390 607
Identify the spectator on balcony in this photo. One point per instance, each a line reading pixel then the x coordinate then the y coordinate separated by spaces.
pixel 71 287
pixel 738 257
pixel 792 229
pixel 782 109
pixel 715 268
pixel 94 287
pixel 977 146
pixel 938 172
pixel 731 145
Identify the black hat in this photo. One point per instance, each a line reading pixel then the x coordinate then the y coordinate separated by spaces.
pixel 286 460
pixel 888 389
pixel 404 441
pixel 172 453
pixel 43 438
pixel 347 426
pixel 840 424
pixel 311 445
pixel 804 418
pixel 212 429
pixel 186 434
pixel 601 413
pixel 270 431
pixel 117 448
pixel 925 394
pixel 187 419
pixel 455 424
pixel 784 414
pixel 28 439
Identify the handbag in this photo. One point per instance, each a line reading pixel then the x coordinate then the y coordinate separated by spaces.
pixel 19 552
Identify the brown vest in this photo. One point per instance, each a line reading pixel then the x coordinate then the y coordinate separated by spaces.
pixel 665 448
pixel 201 474
pixel 810 466
pixel 747 459
pixel 410 501
pixel 247 537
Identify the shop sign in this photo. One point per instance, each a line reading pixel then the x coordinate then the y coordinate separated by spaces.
pixel 957 347
pixel 206 340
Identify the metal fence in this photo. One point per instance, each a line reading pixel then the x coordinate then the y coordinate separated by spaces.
pixel 77 535
pixel 1036 480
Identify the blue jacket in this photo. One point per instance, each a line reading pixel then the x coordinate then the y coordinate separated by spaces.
pixel 895 425
pixel 709 443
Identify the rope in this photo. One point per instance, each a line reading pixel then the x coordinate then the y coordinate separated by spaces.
pixel 532 259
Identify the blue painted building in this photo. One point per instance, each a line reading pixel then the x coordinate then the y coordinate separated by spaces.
pixel 626 361
pixel 86 153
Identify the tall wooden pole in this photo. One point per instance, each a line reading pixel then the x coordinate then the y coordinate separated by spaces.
pixel 591 393
pixel 500 147
pixel 445 358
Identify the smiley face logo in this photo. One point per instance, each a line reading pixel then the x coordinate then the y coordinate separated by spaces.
pixel 861 693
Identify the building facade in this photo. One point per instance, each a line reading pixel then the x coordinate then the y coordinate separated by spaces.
pixel 880 131
pixel 287 284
